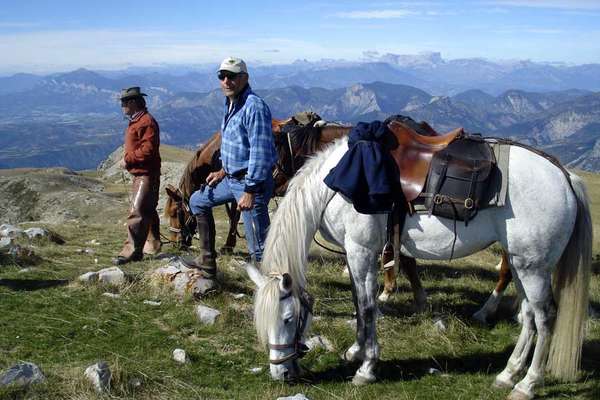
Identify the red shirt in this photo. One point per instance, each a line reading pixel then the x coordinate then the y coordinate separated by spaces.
pixel 142 140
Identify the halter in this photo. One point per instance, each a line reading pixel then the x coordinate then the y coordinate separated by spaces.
pixel 300 349
pixel 184 221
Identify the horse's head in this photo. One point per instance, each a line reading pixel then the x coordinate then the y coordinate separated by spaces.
pixel 294 143
pixel 282 315
pixel 182 225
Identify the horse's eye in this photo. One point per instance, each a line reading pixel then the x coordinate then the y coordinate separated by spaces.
pixel 287 320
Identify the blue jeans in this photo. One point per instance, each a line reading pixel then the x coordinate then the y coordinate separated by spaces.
pixel 256 220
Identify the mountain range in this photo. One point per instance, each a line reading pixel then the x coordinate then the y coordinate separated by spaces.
pixel 73 119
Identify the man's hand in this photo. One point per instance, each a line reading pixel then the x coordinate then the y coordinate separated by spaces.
pixel 215 177
pixel 246 202
pixel 122 163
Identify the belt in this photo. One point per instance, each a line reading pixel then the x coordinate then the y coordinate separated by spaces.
pixel 239 174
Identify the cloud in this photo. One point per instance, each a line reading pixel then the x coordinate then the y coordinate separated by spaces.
pixel 560 4
pixel 376 14
pixel 17 25
pixel 50 51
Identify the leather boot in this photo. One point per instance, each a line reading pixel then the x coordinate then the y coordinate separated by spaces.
pixel 206 259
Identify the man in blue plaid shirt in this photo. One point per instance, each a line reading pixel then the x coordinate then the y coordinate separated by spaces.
pixel 248 156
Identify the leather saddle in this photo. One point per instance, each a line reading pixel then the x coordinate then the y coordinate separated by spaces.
pixel 413 153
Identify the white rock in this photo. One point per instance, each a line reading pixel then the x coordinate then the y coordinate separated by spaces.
pixel 111 295
pixel 180 284
pixel 11 231
pixel 180 356
pixel 36 233
pixel 346 271
pixel 22 374
pixel 238 296
pixel 5 244
pixel 317 318
pixel 433 371
pixel 319 342
pixel 440 325
pixel 297 396
pixel 94 242
pixel 99 375
pixel 152 302
pixel 111 276
pixel 89 277
pixel 207 315
pixel 256 370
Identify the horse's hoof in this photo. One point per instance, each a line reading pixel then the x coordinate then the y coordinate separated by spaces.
pixel 352 356
pixel 500 383
pixel 518 395
pixel 384 296
pixel 363 379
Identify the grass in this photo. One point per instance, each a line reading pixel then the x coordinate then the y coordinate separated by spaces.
pixel 65 328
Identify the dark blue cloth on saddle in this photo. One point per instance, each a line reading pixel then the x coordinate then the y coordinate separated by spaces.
pixel 366 174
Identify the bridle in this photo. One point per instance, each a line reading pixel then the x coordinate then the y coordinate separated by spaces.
pixel 184 216
pixel 299 348
pixel 288 171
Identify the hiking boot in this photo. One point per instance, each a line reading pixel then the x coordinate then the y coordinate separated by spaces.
pixel 206 260
pixel 120 260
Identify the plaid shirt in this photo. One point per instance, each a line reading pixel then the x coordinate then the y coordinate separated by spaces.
pixel 247 140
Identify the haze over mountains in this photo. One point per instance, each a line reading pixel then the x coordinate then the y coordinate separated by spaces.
pixel 73 119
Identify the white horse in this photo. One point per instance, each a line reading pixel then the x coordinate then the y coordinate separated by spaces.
pixel 545 226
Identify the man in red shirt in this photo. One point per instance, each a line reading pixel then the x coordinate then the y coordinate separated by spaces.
pixel 142 160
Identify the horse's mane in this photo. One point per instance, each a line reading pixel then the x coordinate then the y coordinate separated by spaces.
pixel 290 234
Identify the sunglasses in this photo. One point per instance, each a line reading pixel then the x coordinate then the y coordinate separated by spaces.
pixel 229 75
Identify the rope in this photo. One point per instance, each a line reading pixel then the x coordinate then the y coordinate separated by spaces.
pixel 327 248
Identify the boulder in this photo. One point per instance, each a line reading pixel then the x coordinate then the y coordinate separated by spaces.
pixel 22 374
pixel 319 342
pixel 11 231
pixel 111 276
pixel 5 245
pixel 207 315
pixel 297 396
pixel 99 375
pixel 89 277
pixel 180 356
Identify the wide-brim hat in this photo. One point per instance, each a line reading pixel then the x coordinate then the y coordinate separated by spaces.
pixel 235 65
pixel 131 92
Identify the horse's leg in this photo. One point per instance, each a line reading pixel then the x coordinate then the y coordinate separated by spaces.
pixel 491 305
pixel 363 274
pixel 538 290
pixel 389 283
pixel 234 218
pixel 409 266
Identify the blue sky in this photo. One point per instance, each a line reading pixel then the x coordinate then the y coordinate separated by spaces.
pixel 45 36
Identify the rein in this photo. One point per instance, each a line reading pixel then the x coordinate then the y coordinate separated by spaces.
pixel 300 349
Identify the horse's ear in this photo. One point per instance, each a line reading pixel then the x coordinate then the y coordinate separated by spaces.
pixel 255 275
pixel 286 282
pixel 173 192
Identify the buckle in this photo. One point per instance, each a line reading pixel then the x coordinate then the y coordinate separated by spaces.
pixel 469 203
pixel 438 199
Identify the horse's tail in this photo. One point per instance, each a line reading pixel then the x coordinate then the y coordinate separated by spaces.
pixel 571 286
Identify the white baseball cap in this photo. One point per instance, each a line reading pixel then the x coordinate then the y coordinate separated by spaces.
pixel 235 65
